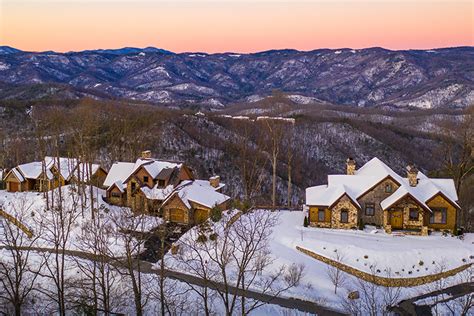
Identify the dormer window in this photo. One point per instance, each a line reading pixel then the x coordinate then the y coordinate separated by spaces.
pixel 145 179
pixel 388 188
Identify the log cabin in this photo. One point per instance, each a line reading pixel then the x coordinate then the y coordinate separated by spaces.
pixel 52 172
pixel 160 187
pixel 376 195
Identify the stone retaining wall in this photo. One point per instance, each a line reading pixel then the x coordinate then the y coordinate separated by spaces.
pixel 384 281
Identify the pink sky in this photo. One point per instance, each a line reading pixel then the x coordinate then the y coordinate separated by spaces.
pixel 235 25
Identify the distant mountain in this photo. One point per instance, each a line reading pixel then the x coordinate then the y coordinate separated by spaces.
pixel 362 77
pixel 127 50
pixel 8 50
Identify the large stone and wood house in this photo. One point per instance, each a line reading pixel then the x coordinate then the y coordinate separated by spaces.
pixel 375 194
pixel 167 188
pixel 52 172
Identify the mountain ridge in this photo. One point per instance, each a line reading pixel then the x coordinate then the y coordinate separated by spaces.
pixel 376 76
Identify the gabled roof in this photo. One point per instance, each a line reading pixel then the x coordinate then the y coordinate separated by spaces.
pixel 324 195
pixel 372 173
pixel 118 172
pixel 153 166
pixel 200 192
pixel 65 166
pixel 119 185
pixel 425 190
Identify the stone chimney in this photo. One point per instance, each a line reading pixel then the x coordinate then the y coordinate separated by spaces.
pixel 412 173
pixel 215 181
pixel 146 154
pixel 350 166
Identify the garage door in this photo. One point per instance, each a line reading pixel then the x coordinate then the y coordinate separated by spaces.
pixel 177 215
pixel 13 186
pixel 200 216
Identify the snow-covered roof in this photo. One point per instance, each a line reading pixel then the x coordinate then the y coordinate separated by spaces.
pixel 323 195
pixel 372 173
pixel 157 193
pixel 31 170
pixel 207 183
pixel 118 172
pixel 200 192
pixel 83 171
pixel 66 165
pixel 154 166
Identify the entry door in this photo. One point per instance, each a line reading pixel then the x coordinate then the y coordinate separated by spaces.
pixel 14 186
pixel 397 219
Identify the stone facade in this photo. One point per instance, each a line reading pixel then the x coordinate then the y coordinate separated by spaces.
pixel 344 203
pixel 406 205
pixel 374 196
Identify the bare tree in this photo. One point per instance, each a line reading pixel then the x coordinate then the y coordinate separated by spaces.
pixel 335 274
pixel 275 131
pixel 128 228
pixel 58 226
pixel 236 256
pixel 457 150
pixel 18 273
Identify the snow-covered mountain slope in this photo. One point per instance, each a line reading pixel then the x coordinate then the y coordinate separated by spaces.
pixel 364 77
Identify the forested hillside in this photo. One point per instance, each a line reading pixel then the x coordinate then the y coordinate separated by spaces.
pixel 233 144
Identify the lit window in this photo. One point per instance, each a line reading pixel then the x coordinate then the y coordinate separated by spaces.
pixel 438 216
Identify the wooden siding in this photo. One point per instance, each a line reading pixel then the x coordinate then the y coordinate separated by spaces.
pixel 314 216
pixel 440 202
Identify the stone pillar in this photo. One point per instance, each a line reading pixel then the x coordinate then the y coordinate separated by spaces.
pixel 424 231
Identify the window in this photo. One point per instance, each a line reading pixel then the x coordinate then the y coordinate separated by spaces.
pixel 321 215
pixel 161 183
pixel 388 188
pixel 438 216
pixel 344 216
pixel 370 209
pixel 133 186
pixel 145 179
pixel 116 194
pixel 414 214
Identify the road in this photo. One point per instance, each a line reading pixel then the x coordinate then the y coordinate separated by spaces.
pixel 147 267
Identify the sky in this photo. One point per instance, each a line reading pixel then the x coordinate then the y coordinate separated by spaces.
pixel 235 25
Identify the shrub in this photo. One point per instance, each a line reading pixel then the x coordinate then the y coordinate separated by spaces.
pixel 305 222
pixel 216 214
pixel 366 257
pixel 213 237
pixel 202 238
pixel 360 224
pixel 421 263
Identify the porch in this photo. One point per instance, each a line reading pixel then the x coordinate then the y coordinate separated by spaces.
pixel 406 220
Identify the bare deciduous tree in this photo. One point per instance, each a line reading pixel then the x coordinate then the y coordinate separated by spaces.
pixel 18 273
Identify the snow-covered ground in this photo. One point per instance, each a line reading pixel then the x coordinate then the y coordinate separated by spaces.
pixel 31 209
pixel 371 250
